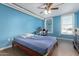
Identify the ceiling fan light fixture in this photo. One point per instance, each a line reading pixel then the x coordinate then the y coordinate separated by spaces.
pixel 49 11
pixel 46 12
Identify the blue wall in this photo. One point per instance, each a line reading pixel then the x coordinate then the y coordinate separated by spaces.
pixel 77 19
pixel 57 26
pixel 13 22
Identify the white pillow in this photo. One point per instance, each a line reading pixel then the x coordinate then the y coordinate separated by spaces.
pixel 27 35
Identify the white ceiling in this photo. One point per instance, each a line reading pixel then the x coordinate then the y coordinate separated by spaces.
pixel 33 7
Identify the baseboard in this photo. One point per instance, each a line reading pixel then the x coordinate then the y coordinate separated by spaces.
pixel 6 47
pixel 66 39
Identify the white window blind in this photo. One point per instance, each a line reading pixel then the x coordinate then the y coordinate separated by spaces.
pixel 67 24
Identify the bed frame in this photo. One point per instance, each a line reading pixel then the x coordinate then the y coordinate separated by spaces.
pixel 31 52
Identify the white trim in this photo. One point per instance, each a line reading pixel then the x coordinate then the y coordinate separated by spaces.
pixel 62 38
pixel 22 10
pixel 45 23
pixel 5 47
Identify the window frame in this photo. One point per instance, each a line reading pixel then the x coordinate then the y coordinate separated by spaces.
pixel 73 23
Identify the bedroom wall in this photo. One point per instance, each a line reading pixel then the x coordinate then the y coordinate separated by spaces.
pixel 77 19
pixel 13 23
pixel 57 26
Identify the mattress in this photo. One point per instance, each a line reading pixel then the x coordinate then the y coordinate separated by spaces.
pixel 40 44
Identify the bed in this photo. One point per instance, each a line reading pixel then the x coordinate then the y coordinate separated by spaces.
pixel 35 45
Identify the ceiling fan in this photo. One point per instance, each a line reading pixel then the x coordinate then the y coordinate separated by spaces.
pixel 48 7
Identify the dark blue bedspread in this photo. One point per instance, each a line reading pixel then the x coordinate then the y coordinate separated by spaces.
pixel 41 44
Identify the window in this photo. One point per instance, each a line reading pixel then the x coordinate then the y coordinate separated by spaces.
pixel 67 24
pixel 49 25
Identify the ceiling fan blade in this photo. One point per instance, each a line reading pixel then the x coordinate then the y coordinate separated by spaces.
pixel 41 8
pixel 41 12
pixel 54 8
pixel 50 3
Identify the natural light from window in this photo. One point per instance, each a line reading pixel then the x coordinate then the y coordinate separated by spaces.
pixel 67 24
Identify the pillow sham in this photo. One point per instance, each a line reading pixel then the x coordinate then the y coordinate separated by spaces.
pixel 27 35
